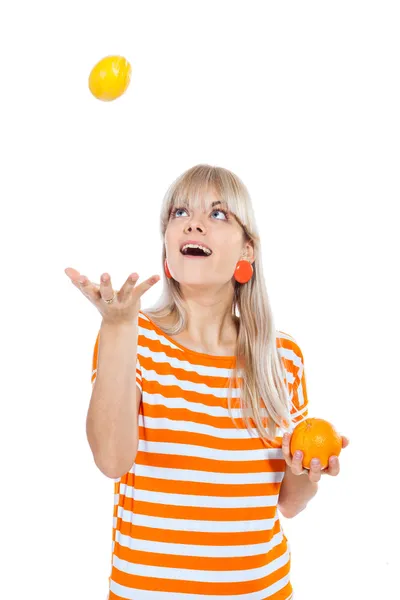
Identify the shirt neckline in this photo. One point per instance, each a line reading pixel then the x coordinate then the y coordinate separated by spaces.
pixel 184 348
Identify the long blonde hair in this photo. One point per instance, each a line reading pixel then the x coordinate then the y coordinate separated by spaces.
pixel 264 394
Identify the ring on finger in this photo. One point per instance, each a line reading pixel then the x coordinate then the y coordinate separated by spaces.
pixel 111 300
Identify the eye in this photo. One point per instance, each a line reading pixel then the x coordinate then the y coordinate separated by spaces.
pixel 221 211
pixel 176 210
pixel 216 210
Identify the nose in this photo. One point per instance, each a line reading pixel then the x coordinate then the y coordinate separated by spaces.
pixel 197 227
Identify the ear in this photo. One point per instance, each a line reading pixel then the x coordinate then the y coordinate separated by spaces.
pixel 250 251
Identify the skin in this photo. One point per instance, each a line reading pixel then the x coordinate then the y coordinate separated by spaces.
pixel 208 289
pixel 207 284
pixel 300 485
pixel 295 463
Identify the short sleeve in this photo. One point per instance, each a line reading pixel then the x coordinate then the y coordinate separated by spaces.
pixel 95 362
pixel 299 410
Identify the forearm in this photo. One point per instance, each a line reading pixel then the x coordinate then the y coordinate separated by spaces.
pixel 111 424
pixel 295 493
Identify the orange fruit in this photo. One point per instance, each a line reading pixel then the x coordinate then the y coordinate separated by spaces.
pixel 316 438
pixel 109 78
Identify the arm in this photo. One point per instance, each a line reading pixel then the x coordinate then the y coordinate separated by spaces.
pixel 299 487
pixel 296 489
pixel 295 493
pixel 112 418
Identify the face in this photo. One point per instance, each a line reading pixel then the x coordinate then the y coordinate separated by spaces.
pixel 214 227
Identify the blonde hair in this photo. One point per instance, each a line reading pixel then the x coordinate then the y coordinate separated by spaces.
pixel 264 396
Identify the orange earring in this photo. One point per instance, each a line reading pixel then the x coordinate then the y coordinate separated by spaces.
pixel 168 274
pixel 243 272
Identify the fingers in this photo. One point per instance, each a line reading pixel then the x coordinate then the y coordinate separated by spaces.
pixel 106 290
pixel 128 286
pixel 333 467
pixel 83 284
pixel 315 470
pixel 71 273
pixel 75 276
pixel 297 463
pixel 146 285
pixel 88 289
pixel 345 441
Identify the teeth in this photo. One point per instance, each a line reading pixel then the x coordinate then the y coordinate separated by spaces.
pixel 206 250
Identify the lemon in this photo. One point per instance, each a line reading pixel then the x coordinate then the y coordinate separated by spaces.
pixel 110 78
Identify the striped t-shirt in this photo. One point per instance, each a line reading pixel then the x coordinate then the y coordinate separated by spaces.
pixel 196 515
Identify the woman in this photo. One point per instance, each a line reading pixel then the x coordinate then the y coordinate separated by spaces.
pixel 195 447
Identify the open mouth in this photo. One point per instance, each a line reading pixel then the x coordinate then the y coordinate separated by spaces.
pixel 193 250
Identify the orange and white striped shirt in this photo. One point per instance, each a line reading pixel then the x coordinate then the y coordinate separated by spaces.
pixel 196 515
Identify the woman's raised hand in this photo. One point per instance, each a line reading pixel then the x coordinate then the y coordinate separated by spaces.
pixel 126 304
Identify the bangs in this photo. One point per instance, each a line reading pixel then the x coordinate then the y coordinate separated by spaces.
pixel 190 191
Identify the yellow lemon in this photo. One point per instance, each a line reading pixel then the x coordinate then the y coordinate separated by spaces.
pixel 110 78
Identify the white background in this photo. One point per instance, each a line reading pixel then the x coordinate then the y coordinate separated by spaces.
pixel 301 100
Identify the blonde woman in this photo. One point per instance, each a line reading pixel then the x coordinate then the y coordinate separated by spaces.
pixel 190 400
